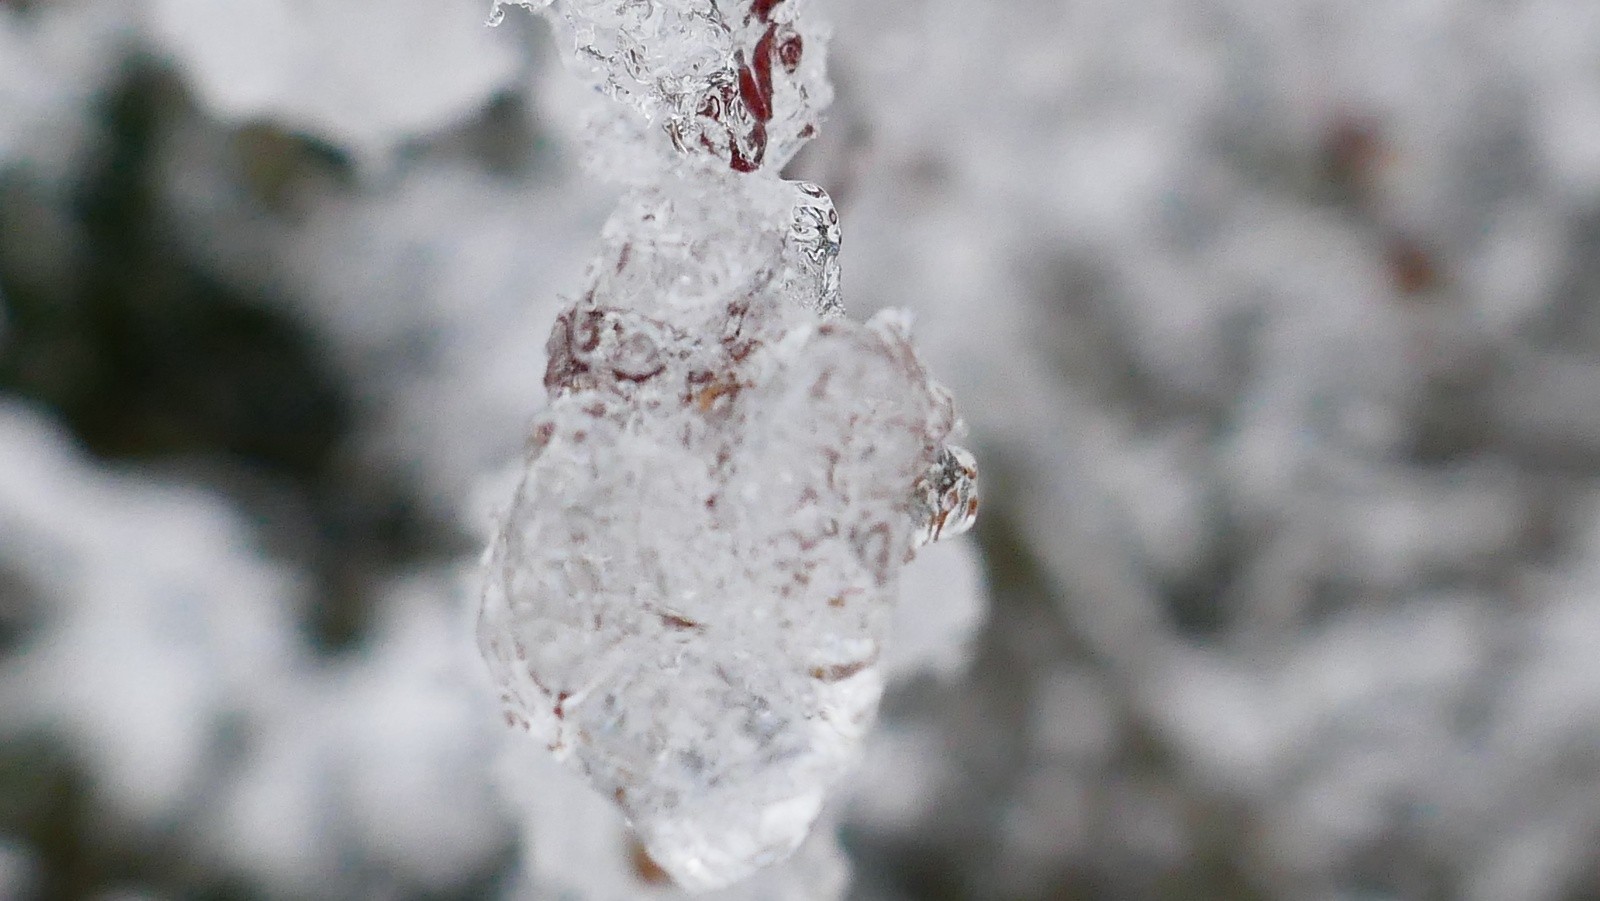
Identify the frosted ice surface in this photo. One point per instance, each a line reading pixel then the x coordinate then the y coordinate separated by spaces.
pixel 692 586
pixel 812 250
pixel 688 251
pixel 737 85
pixel 690 593
pixel 689 597
pixel 582 849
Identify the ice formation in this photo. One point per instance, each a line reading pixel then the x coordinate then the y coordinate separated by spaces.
pixel 690 593
pixel 1295 575
pixel 700 85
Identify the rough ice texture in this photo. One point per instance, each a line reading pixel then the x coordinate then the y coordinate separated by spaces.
pixel 579 845
pixel 729 85
pixel 583 848
pixel 691 591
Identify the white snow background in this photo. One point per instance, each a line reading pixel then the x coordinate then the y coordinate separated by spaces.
pixel 1276 326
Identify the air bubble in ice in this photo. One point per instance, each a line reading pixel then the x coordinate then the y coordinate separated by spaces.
pixel 689 595
pixel 812 249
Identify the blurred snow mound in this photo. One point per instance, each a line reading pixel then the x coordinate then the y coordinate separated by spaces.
pixel 162 621
pixel 361 77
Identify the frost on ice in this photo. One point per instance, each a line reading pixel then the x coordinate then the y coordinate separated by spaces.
pixel 690 591
pixel 689 595
pixel 736 84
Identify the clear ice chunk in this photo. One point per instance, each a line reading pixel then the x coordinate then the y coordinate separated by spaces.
pixel 688 599
pixel 735 85
pixel 690 593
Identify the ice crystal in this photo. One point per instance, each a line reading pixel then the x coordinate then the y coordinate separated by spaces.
pixel 813 249
pixel 690 593
pixel 736 85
